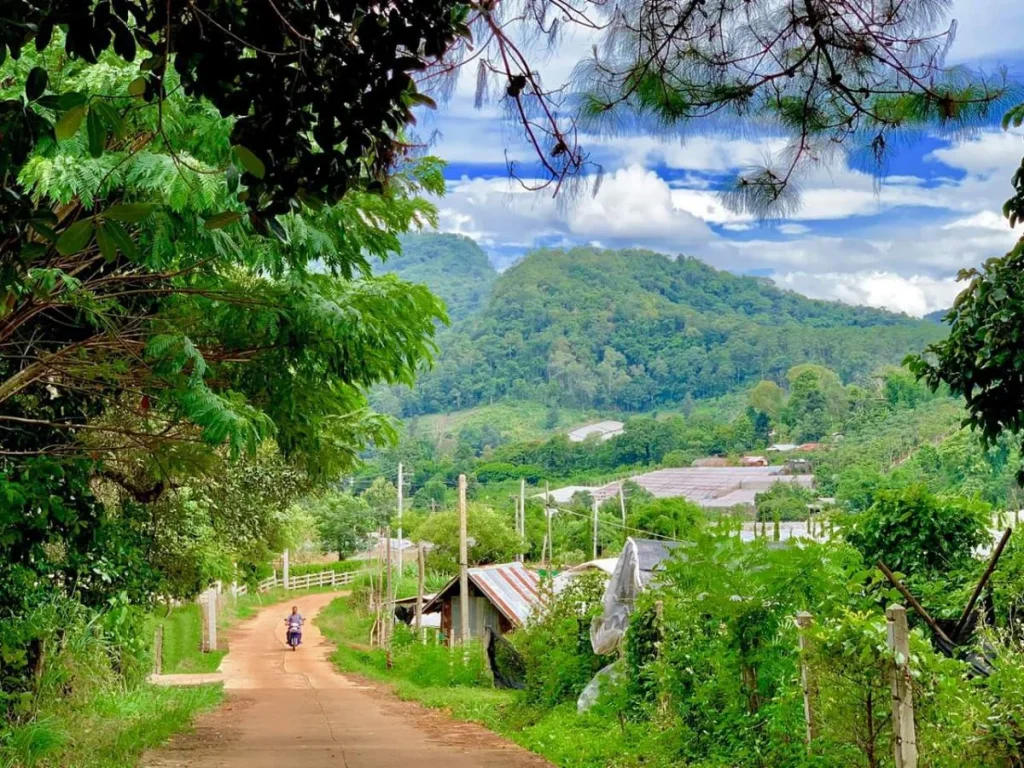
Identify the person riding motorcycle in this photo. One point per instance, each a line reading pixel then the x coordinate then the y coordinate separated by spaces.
pixel 294 622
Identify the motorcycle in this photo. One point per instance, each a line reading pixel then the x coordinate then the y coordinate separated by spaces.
pixel 294 636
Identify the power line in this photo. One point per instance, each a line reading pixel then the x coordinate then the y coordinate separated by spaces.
pixel 619 525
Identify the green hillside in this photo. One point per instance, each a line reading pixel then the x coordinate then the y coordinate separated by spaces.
pixel 635 331
pixel 453 267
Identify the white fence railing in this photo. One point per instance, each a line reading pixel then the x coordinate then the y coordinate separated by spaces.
pixel 305 581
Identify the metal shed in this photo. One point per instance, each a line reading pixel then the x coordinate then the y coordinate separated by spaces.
pixel 501 597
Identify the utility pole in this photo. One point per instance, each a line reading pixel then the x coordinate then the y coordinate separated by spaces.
pixel 401 558
pixel 622 503
pixel 389 608
pixel 595 528
pixel 284 566
pixel 420 575
pixel 547 514
pixel 463 563
pixel 522 514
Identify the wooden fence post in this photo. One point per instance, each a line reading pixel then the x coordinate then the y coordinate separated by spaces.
pixel 904 736
pixel 211 619
pixel 804 621
pixel 158 650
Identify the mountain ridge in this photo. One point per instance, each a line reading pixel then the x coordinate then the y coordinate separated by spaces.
pixel 633 330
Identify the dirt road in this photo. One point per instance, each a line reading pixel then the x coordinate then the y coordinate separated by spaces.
pixel 287 709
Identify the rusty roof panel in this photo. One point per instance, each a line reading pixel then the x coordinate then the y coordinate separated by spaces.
pixel 512 587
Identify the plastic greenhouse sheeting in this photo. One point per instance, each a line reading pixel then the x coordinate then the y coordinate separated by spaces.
pixel 636 567
pixel 610 674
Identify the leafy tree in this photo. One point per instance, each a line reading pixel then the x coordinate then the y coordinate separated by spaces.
pixel 382 498
pixel 901 389
pixel 767 398
pixel 494 541
pixel 160 330
pixel 920 534
pixel 672 518
pixel 783 502
pixel 807 409
pixel 344 521
pixel 432 495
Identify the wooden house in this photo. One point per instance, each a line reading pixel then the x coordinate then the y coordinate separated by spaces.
pixel 501 597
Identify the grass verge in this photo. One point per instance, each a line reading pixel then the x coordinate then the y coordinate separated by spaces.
pixel 112 730
pixel 441 679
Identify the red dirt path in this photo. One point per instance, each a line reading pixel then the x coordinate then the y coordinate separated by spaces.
pixel 294 709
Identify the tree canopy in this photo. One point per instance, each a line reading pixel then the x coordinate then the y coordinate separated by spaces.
pixel 635 330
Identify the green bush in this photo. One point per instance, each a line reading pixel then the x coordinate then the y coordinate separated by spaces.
pixel 555 644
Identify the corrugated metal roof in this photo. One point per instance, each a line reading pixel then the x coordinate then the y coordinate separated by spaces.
pixel 604 429
pixel 511 587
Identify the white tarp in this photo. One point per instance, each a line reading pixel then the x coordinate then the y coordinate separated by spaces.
pixel 606 630
pixel 639 560
pixel 605 677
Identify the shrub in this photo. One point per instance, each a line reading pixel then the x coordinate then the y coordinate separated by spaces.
pixel 556 643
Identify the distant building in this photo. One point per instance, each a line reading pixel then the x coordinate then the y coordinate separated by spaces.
pixel 501 597
pixel 711 461
pixel 808 447
pixel 564 495
pixel 605 430
pixel 782 447
pixel 715 487
pixel 797 467
pixel 753 461
pixel 604 565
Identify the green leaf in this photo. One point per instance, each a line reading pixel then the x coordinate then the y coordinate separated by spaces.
pixel 110 116
pixel 71 99
pixel 75 238
pixel 70 122
pixel 122 239
pixel 106 243
pixel 422 99
pixel 35 84
pixel 137 87
pixel 250 162
pixel 130 212
pixel 221 220
pixel 97 134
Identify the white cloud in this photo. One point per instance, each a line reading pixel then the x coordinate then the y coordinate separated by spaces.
pixel 632 207
pixel 986 27
pixel 916 295
pixel 984 154
pixel 708 153
pixel 636 205
pixel 793 229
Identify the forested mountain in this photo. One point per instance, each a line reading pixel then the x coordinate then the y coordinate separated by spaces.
pixel 635 330
pixel 452 266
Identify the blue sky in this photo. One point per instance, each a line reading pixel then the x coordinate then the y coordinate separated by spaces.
pixel 898 246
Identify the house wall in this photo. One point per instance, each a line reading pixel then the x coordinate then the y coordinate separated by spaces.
pixel 482 614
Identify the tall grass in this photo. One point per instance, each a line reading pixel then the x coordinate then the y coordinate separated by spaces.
pixel 88 705
pixel 108 730
pixel 183 643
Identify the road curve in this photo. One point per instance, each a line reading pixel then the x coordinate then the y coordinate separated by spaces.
pixel 294 709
